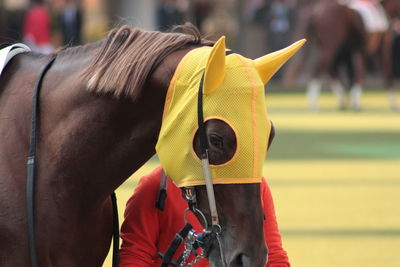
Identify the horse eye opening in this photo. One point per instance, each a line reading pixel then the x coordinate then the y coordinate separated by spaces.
pixel 221 139
pixel 216 140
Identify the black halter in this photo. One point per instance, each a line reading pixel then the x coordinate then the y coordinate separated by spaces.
pixel 31 173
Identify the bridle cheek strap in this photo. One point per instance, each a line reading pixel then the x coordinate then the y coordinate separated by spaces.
pixel 210 191
pixel 204 157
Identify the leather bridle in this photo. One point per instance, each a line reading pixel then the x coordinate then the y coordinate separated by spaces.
pixel 189 194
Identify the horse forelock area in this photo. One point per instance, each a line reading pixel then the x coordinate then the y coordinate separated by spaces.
pixel 128 56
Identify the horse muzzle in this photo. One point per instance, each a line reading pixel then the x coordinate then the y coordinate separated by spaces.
pixel 243 259
pixel 230 252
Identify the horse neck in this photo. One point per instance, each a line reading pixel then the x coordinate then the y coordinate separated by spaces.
pixel 91 143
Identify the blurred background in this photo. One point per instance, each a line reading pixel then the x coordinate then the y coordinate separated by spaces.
pixel 334 171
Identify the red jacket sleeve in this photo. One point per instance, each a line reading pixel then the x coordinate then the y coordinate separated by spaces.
pixel 277 256
pixel 139 231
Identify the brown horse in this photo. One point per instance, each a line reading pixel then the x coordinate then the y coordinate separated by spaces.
pixel 92 140
pixel 341 38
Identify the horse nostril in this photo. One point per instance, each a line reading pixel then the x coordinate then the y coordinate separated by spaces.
pixel 241 260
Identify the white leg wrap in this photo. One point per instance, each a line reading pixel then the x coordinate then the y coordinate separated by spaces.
pixel 355 96
pixel 313 89
pixel 339 92
pixel 393 100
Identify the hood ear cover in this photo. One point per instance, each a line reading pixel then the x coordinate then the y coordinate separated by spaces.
pixel 245 113
pixel 266 66
pixel 215 69
pixel 269 64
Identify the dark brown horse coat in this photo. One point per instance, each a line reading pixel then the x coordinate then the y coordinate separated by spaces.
pixel 97 126
pixel 89 144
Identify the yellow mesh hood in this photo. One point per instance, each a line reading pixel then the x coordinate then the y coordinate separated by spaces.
pixel 233 91
pixel 239 101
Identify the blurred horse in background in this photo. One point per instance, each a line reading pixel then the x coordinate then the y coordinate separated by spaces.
pixel 344 40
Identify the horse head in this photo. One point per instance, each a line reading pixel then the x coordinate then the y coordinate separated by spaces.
pixel 215 126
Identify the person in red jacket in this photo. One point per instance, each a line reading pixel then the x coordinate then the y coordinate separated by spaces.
pixel 36 29
pixel 147 230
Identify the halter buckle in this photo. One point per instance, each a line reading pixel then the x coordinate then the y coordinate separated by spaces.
pixel 189 194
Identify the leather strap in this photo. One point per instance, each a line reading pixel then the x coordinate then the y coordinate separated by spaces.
pixel 31 174
pixel 31 165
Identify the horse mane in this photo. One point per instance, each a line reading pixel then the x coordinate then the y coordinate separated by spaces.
pixel 128 56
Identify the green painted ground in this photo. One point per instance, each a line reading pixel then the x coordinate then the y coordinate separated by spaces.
pixel 335 177
pixel 317 145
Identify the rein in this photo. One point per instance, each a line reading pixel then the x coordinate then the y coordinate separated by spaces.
pixel 31 175
pixel 31 165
